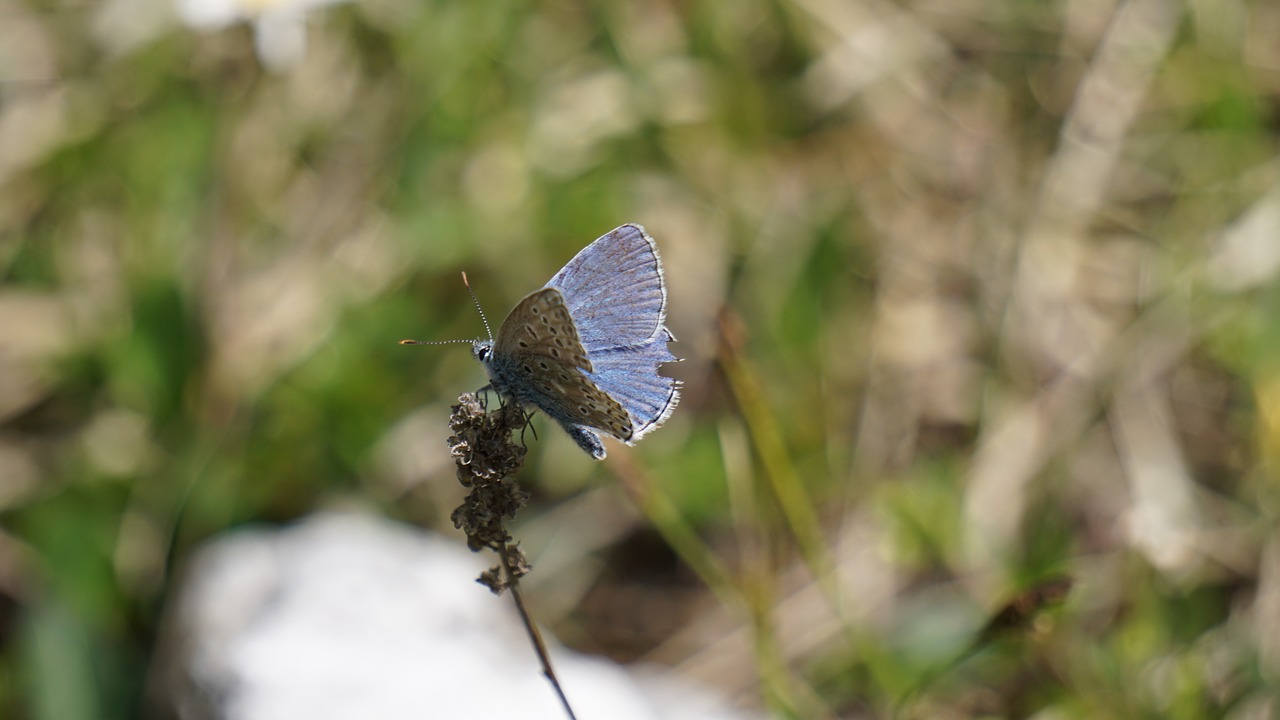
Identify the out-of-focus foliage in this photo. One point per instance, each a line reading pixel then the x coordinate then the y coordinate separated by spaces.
pixel 973 294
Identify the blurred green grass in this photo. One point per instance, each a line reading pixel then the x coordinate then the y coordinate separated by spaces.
pixel 986 274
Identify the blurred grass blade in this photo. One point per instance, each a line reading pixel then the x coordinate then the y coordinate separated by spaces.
pixel 785 484
pixel 59 666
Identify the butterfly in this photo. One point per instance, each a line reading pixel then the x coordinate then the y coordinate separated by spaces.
pixel 585 349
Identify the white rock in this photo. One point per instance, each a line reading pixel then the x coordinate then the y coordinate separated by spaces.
pixel 348 616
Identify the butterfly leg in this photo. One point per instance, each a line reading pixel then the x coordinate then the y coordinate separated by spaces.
pixel 528 425
pixel 482 396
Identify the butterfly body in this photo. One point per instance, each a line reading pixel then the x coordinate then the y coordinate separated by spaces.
pixel 585 349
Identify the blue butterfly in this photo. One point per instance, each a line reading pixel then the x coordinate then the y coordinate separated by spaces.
pixel 585 349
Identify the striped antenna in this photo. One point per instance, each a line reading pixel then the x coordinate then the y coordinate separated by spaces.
pixel 433 342
pixel 483 319
pixel 479 309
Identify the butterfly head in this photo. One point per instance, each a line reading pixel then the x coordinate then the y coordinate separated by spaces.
pixel 482 350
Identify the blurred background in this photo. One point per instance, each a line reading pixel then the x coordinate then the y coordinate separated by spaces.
pixel 972 294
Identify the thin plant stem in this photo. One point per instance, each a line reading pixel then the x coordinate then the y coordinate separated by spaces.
pixel 487 460
pixel 535 637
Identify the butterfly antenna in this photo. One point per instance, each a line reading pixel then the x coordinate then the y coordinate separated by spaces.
pixel 479 309
pixel 433 342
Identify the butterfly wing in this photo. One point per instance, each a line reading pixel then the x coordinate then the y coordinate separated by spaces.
pixel 616 294
pixel 540 325
pixel 586 348
pixel 539 357
pixel 630 376
pixel 614 289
